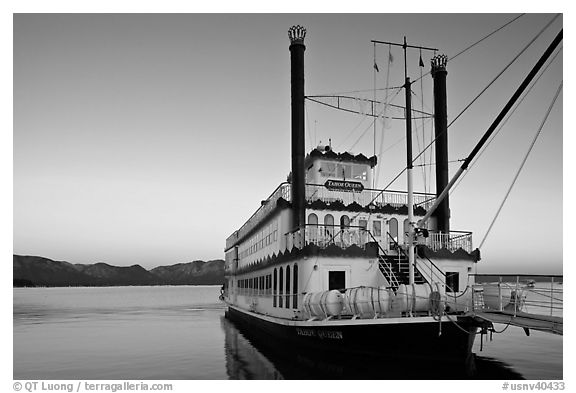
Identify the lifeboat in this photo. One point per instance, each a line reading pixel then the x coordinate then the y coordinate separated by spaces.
pixel 367 302
pixel 323 304
pixel 417 297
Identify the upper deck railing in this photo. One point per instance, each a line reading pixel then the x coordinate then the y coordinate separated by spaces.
pixel 320 192
pixel 282 191
pixel 326 235
pixel 367 196
pixel 451 241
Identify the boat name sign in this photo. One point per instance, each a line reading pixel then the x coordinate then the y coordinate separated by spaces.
pixel 320 333
pixel 344 185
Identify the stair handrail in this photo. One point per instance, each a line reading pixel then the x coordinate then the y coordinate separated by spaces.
pixel 442 274
pixel 401 250
pixel 393 280
pixel 397 246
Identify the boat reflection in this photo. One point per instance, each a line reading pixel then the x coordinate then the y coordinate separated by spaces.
pixel 252 357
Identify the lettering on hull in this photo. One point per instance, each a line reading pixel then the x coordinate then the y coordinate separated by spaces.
pixel 321 334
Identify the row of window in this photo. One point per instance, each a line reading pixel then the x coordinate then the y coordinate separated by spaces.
pixel 267 236
pixel 258 285
pixel 345 222
pixel 346 171
pixel 282 284
pixel 285 280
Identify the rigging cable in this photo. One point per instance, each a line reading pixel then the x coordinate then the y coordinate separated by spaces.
pixel 374 123
pixel 523 161
pixel 453 57
pixel 351 132
pixel 385 123
pixel 367 128
pixel 421 66
pixel 308 126
pixel 413 160
pixel 505 120
pixel 459 53
pixel 484 90
pixel 450 162
pixel 361 91
pixel 505 68
pixel 479 41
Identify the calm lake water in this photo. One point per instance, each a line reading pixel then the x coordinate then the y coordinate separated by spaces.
pixel 179 333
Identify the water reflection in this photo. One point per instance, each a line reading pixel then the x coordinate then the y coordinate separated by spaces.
pixel 243 360
pixel 250 356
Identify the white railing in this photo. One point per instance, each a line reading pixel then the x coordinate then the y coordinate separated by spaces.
pixel 325 235
pixel 315 192
pixel 366 197
pixel 282 191
pixel 430 271
pixel 451 241
pixel 533 294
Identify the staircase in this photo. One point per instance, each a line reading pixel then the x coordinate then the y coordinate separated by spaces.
pixel 396 270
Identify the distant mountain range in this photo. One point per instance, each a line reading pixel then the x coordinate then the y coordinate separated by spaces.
pixel 40 271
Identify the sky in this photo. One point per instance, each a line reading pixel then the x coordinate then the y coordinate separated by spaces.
pixel 149 138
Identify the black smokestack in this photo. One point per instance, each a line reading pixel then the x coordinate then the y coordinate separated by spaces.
pixel 297 48
pixel 439 73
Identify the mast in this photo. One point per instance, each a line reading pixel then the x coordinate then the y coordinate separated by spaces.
pixel 409 165
pixel 296 35
pixel 409 169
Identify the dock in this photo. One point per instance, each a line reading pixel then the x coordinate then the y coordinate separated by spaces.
pixel 544 323
pixel 518 301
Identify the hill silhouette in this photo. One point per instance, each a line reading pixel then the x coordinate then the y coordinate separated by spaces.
pixel 39 271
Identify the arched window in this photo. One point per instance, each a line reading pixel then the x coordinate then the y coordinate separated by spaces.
pixel 393 228
pixel 275 288
pixel 363 224
pixel 329 227
pixel 281 289
pixel 344 232
pixel 406 230
pixel 295 287
pixel 287 287
pixel 312 229
pixel 312 219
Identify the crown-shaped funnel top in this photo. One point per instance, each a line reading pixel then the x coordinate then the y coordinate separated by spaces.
pixel 297 34
pixel 439 63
